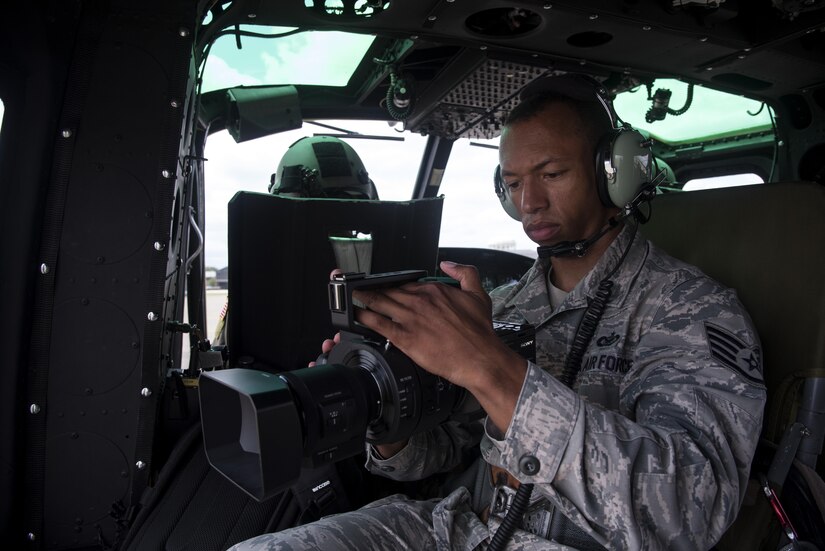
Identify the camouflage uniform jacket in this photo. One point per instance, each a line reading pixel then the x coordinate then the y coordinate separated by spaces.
pixel 652 447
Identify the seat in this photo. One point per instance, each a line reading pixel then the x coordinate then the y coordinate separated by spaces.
pixel 765 241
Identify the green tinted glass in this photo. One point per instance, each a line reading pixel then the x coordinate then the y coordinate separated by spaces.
pixel 712 114
pixel 312 57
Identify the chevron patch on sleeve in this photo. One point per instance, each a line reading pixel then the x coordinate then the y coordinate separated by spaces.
pixel 732 352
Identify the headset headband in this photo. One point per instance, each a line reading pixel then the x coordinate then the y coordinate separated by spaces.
pixel 573 86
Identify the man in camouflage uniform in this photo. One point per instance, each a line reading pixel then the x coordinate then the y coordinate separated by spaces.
pixel 649 449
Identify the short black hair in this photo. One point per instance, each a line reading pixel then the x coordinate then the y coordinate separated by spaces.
pixel 595 119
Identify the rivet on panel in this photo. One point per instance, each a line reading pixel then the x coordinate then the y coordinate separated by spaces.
pixel 159 246
pixel 66 133
pixel 184 32
pixel 44 269
pixel 140 465
pixel 145 392
pixel 166 174
pixel 34 409
pixel 151 316
pixel 174 103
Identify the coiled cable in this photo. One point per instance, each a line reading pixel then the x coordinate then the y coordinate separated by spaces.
pixel 512 519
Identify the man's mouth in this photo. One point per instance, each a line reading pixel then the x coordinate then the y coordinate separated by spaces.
pixel 541 231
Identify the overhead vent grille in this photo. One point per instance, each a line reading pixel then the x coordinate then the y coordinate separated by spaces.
pixel 476 107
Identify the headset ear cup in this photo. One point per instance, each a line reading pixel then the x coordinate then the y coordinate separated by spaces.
pixel 504 195
pixel 631 159
pixel 623 165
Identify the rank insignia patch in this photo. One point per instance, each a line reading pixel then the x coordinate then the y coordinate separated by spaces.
pixel 732 352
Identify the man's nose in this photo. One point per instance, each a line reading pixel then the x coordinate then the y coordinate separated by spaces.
pixel 533 197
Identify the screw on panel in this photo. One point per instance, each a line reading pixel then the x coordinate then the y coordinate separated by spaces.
pixel 44 269
pixel 66 133
pixel 703 39
pixel 184 32
pixel 174 103
pixel 145 392
pixel 252 15
pixel 159 246
pixel 432 17
pixel 166 174
pixel 646 28
pixel 140 465
pixel 151 316
pixel 547 5
pixel 34 409
pixel 593 16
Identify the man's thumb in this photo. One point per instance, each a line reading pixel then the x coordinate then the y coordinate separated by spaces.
pixel 466 275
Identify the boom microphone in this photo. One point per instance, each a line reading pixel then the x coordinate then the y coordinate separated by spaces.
pixel 580 247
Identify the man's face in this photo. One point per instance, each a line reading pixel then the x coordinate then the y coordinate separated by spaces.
pixel 548 165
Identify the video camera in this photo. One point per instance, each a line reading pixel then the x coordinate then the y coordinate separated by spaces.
pixel 261 428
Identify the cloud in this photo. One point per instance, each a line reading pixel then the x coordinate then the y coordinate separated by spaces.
pixel 219 74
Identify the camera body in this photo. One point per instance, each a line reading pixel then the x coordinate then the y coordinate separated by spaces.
pixel 260 429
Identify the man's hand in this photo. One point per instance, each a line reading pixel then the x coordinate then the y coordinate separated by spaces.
pixel 326 346
pixel 385 450
pixel 449 332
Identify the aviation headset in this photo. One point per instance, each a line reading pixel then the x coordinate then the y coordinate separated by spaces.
pixel 623 156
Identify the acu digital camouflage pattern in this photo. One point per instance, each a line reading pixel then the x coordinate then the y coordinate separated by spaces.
pixel 650 450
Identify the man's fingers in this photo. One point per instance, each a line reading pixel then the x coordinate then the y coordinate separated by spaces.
pixel 379 301
pixel 465 274
pixel 327 345
pixel 326 348
pixel 382 325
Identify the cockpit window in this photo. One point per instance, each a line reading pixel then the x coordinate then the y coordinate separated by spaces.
pixel 283 57
pixel 391 162
pixel 710 114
